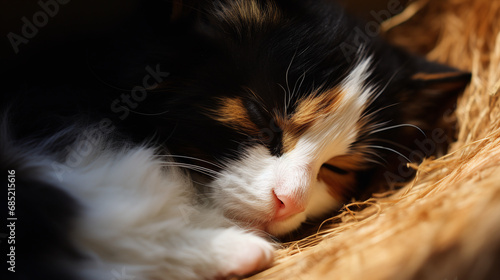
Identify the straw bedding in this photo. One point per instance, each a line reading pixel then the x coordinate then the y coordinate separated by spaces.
pixel 445 224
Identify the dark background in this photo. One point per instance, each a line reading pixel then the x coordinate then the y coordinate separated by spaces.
pixel 85 19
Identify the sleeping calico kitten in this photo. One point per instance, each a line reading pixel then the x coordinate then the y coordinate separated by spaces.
pixel 176 151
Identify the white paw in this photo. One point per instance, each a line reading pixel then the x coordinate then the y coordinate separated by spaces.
pixel 241 253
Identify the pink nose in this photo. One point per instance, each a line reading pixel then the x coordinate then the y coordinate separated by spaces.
pixel 287 206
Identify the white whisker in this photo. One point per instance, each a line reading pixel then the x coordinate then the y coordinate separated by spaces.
pixel 391 150
pixel 373 153
pixel 203 170
pixel 287 83
pixel 197 159
pixel 372 99
pixel 286 93
pixel 394 144
pixel 295 89
pixel 397 126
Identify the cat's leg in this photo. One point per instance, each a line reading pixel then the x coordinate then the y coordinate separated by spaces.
pixel 176 248
pixel 186 254
pixel 217 253
pixel 220 248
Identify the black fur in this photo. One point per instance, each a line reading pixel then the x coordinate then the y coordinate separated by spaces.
pixel 44 217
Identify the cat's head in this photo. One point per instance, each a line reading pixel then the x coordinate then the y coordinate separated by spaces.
pixel 283 105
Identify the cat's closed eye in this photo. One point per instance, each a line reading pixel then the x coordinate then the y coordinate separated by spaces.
pixel 335 169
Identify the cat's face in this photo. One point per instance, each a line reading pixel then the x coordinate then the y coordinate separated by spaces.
pixel 279 177
pixel 279 116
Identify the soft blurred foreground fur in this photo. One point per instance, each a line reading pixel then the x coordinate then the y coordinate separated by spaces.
pixel 445 223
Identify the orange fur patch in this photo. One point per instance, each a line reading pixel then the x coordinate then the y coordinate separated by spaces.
pixel 234 115
pixel 308 111
pixel 434 76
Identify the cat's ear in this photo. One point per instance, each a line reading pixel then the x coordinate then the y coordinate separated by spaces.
pixel 431 93
pixel 434 78
pixel 427 102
